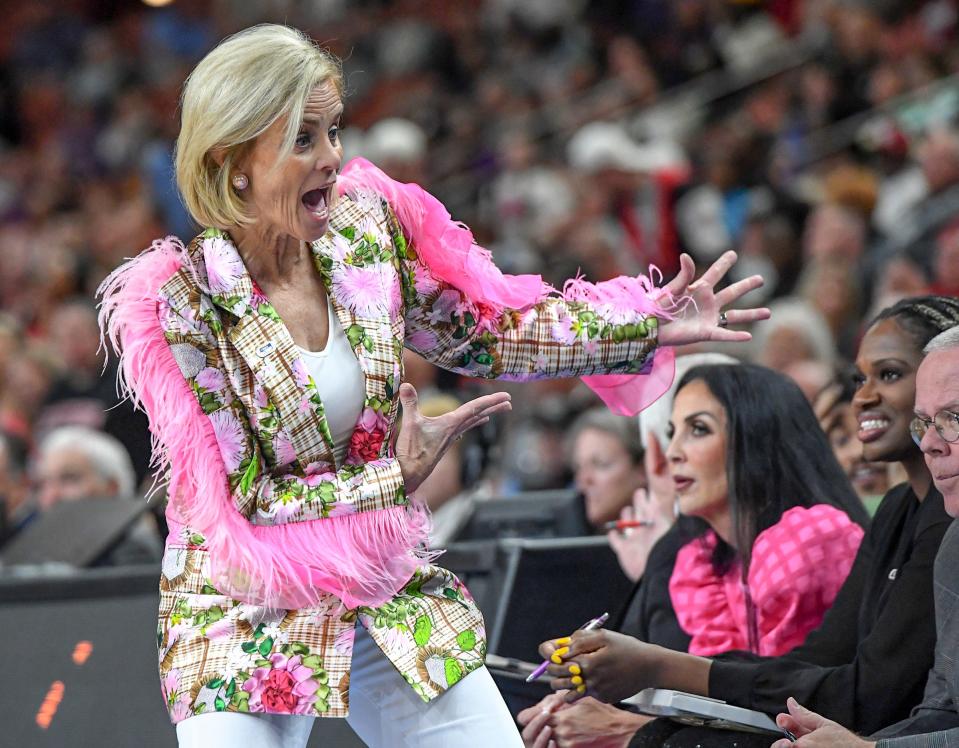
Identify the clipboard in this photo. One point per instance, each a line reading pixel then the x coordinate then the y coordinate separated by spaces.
pixel 703 711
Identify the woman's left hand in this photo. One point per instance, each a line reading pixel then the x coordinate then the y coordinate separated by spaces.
pixel 422 440
pixel 704 319
pixel 814 731
pixel 611 666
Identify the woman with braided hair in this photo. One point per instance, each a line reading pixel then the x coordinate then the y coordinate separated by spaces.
pixel 866 664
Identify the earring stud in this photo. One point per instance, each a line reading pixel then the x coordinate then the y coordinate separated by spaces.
pixel 240 181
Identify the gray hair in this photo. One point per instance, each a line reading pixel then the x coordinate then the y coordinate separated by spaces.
pixel 107 455
pixel 799 315
pixel 943 341
pixel 654 420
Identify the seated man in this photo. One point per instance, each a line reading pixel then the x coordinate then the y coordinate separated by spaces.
pixel 75 464
pixel 935 722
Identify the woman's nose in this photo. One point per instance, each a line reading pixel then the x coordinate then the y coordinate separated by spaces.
pixel 865 395
pixel 329 159
pixel 673 452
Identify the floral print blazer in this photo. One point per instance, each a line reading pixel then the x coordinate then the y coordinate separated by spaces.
pixel 218 652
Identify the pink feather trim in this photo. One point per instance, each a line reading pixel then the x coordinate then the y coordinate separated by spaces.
pixel 446 245
pixel 448 249
pixel 362 559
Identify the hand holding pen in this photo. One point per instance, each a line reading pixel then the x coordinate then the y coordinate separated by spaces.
pixel 557 656
pixel 626 524
pixel 609 666
pixel 638 528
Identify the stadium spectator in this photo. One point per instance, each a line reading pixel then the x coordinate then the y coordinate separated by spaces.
pixel 720 586
pixel 79 464
pixel 935 721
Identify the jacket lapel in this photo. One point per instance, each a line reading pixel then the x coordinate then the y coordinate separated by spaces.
pixel 342 256
pixel 264 343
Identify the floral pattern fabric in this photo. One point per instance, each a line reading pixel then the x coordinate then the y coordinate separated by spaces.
pixel 217 653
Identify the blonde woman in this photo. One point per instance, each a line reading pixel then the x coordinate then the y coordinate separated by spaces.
pixel 267 354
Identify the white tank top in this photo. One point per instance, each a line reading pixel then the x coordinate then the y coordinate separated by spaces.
pixel 340 382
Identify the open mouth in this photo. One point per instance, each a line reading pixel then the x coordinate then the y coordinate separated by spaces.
pixel 317 202
pixel 681 483
pixel 871 428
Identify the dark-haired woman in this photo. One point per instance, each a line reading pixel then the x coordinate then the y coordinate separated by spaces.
pixel 745 456
pixel 866 665
pixel 779 542
pixel 833 406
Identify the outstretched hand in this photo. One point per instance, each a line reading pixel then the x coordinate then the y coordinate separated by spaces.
pixel 422 440
pixel 703 319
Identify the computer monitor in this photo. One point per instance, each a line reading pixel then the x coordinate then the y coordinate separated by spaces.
pixel 549 588
pixel 534 514
pixel 76 533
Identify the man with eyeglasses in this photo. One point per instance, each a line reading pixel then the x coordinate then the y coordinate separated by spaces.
pixel 935 722
pixel 946 422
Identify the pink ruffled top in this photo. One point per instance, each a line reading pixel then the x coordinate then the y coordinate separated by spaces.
pixel 796 570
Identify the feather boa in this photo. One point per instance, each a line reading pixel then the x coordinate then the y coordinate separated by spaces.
pixel 452 255
pixel 362 559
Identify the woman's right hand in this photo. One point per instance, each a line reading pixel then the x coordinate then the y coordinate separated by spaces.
pixel 586 724
pixel 537 733
pixel 422 441
pixel 632 546
pixel 653 504
pixel 611 666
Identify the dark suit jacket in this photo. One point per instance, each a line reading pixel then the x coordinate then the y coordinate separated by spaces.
pixel 935 722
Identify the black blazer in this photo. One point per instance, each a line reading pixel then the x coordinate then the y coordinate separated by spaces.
pixel 935 722
pixel 649 614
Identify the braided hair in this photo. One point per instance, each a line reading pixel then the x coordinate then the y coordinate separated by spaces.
pixel 922 317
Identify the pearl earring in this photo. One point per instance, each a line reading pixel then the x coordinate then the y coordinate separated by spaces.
pixel 240 181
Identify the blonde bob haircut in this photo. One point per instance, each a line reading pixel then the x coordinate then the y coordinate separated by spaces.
pixel 244 85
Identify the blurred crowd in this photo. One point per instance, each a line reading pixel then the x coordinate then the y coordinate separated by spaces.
pixel 818 138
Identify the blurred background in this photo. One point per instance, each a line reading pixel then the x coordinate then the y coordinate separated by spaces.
pixel 818 138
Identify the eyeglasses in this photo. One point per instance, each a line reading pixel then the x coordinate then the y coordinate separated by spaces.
pixel 945 421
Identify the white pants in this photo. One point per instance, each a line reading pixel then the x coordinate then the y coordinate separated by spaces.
pixel 384 712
